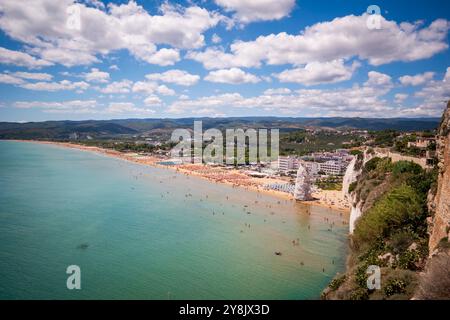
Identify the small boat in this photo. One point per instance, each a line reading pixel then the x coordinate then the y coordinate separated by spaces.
pixel 278 253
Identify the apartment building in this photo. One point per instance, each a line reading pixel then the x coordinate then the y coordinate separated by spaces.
pixel 289 163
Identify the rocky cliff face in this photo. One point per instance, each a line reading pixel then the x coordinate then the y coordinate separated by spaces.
pixel 439 203
pixel 435 281
pixel 383 189
pixel 302 190
pixel 354 170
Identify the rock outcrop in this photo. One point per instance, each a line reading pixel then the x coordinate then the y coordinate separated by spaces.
pixel 352 173
pixel 439 202
pixel 302 191
pixel 435 281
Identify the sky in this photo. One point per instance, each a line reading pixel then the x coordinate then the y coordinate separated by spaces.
pixel 92 59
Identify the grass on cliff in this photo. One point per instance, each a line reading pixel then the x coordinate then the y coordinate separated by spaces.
pixel 393 225
pixel 401 208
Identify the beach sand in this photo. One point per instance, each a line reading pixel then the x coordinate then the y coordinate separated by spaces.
pixel 324 198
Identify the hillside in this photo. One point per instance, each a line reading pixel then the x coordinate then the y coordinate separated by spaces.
pixel 129 127
pixel 391 233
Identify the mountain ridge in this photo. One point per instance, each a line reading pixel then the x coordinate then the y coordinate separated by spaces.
pixel 62 129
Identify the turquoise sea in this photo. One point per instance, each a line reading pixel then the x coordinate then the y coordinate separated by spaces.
pixel 139 232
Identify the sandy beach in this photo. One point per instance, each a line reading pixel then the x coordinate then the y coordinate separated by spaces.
pixel 331 199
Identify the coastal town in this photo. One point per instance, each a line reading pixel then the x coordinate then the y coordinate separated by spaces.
pixel 325 168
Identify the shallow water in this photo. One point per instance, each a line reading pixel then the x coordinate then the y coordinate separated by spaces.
pixel 139 232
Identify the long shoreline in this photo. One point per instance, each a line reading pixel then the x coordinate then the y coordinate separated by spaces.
pixel 326 199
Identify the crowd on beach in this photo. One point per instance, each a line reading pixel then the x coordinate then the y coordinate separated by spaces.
pixel 236 178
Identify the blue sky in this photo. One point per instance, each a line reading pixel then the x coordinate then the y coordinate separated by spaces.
pixel 96 59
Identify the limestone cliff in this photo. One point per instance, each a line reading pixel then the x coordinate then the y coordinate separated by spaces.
pixel 389 229
pixel 434 282
pixel 439 199
pixel 352 174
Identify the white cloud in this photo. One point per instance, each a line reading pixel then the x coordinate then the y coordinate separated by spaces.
pixel 231 76
pixel 175 76
pixel 435 96
pixel 365 100
pixel 21 59
pixel 416 80
pixel 66 56
pixel 95 75
pixel 126 107
pixel 216 58
pixel 342 38
pixel 114 67
pixel 145 87
pixel 360 100
pixel 165 91
pixel 56 86
pixel 215 38
pixel 152 100
pixel 257 10
pixel 120 107
pixel 380 80
pixel 150 87
pixel 34 76
pixel 163 57
pixel 123 86
pixel 319 72
pixel 270 92
pixel 399 98
pixel 82 107
pixel 42 25
pixel 17 78
pixel 10 79
pixel 209 102
pixel 70 106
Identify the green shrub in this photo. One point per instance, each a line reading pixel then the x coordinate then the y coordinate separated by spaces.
pixel 406 167
pixel 397 208
pixel 384 165
pixel 423 181
pixel 408 259
pixel 355 152
pixel 401 240
pixel 444 243
pixel 361 275
pixel 359 294
pixel 371 164
pixel 394 286
pixel 337 282
pixel 352 187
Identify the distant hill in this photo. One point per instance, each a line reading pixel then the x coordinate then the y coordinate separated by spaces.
pixel 130 127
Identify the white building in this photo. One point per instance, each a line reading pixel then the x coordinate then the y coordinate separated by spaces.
pixel 288 163
pixel 333 167
pixel 329 167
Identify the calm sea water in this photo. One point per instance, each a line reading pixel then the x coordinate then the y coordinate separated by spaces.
pixel 146 233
